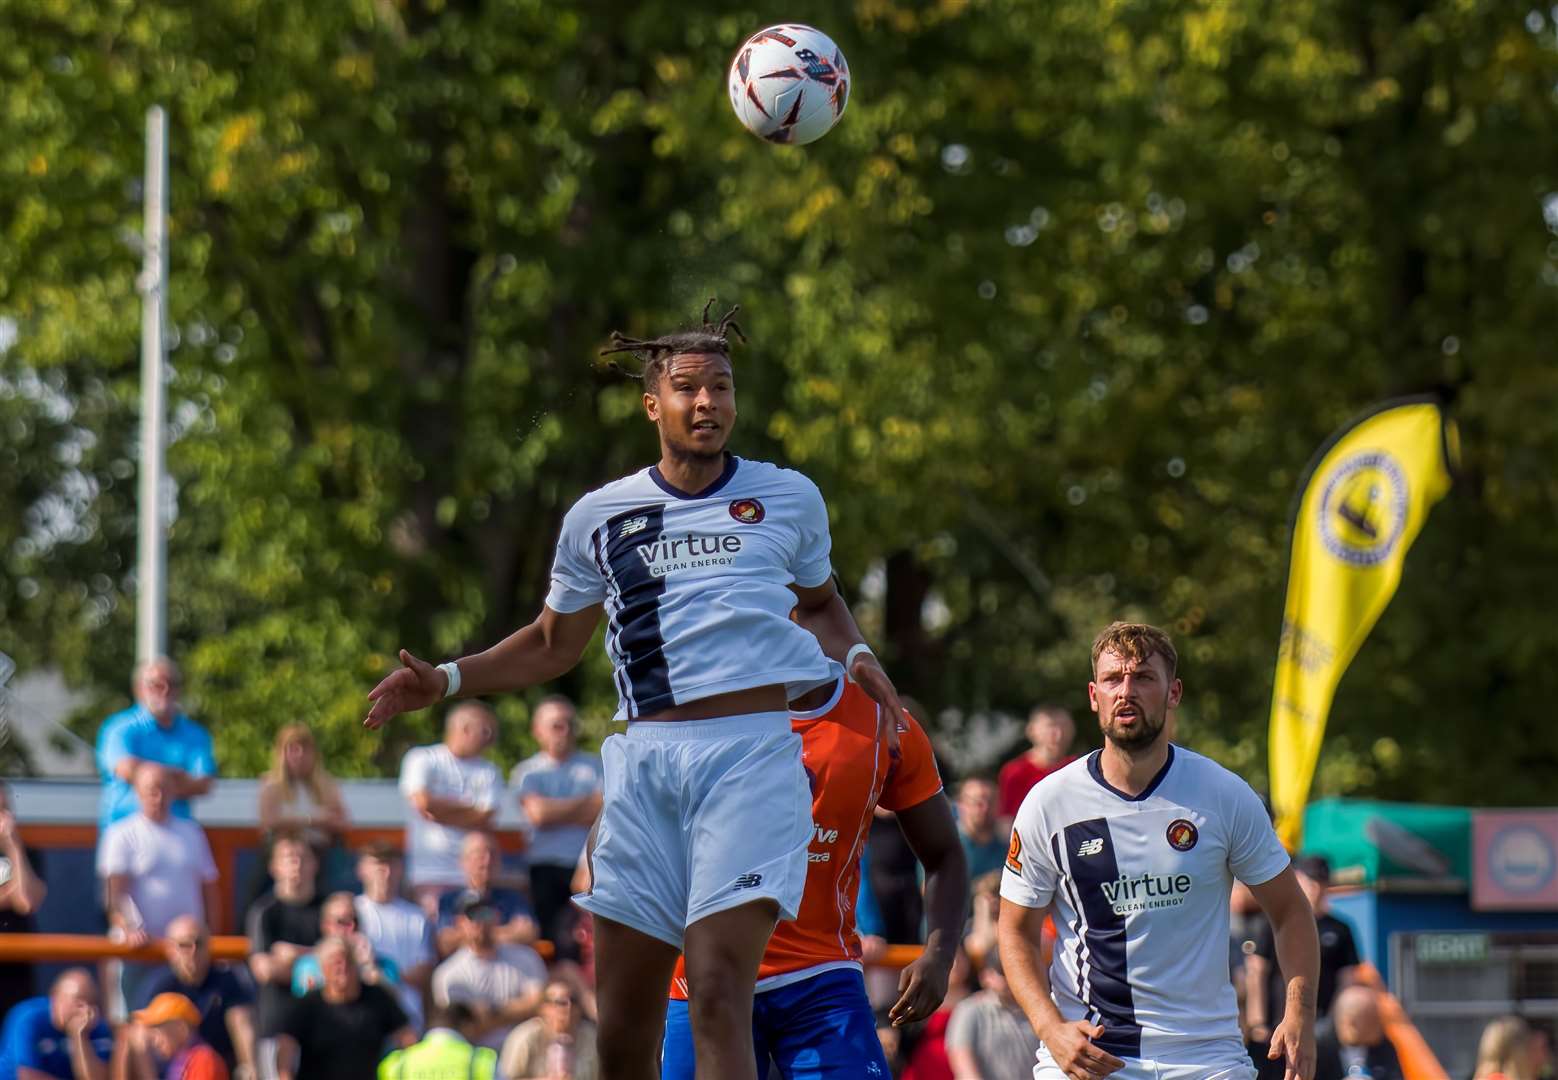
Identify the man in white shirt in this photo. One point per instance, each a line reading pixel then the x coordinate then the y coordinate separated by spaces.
pixel 450 789
pixel 501 984
pixel 397 928
pixel 157 867
pixel 1135 849
pixel 560 791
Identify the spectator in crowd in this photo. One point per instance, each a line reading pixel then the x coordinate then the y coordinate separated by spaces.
pixel 1353 1043
pixel 219 992
pixel 1504 1051
pixel 338 1030
pixel 450 789
pixel 984 914
pixel 1265 995
pixel 889 907
pixel 480 862
pixel 1542 1051
pixel 21 891
pixel 338 919
pixel 988 1037
pixel 445 1052
pixel 1050 734
pixel 890 874
pixel 157 866
pixel 162 1042
pixel 62 1035
pixel 560 791
pixel 983 843
pixel 300 795
pixel 501 983
pixel 397 928
pixel 281 928
pixel 153 730
pixel 926 1055
pixel 559 1043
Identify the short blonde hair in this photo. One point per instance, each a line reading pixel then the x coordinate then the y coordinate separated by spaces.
pixel 1136 641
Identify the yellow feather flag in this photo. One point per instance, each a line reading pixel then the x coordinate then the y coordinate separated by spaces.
pixel 1364 500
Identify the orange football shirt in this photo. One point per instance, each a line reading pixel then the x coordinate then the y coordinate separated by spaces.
pixel 850 774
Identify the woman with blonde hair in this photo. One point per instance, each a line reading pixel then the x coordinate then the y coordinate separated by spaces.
pixel 1504 1052
pixel 299 793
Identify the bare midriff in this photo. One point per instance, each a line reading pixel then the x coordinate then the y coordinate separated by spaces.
pixel 770 698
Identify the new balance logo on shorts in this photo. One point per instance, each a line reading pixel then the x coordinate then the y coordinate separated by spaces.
pixel 749 881
pixel 1091 847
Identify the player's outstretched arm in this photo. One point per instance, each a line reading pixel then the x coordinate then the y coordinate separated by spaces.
pixel 933 835
pixel 537 653
pixel 1019 934
pixel 822 610
pixel 1298 955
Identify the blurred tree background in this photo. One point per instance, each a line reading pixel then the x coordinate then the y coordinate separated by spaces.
pixel 1055 317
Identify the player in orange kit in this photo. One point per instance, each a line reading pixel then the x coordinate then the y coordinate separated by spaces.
pixel 811 1015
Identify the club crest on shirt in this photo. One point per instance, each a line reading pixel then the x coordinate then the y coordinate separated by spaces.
pixel 747 511
pixel 1014 854
pixel 1182 834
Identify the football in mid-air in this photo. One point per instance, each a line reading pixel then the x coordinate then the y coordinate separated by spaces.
pixel 789 84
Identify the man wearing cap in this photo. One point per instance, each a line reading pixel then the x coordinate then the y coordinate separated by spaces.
pixel 480 864
pixel 445 1052
pixel 501 983
pixel 61 1036
pixel 167 1031
pixel 398 929
pixel 220 994
pixel 1338 964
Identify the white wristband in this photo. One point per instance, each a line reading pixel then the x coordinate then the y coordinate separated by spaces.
pixel 855 650
pixel 452 670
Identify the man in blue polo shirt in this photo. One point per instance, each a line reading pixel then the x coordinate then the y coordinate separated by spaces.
pixel 61 1036
pixel 153 729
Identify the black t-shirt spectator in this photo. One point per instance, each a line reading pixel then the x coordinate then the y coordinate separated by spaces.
pixel 272 920
pixel 344 1041
pixel 16 979
pixel 224 988
pixel 1337 951
pixel 895 881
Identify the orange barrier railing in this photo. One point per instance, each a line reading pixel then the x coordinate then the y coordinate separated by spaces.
pixel 86 948
pixel 1417 1060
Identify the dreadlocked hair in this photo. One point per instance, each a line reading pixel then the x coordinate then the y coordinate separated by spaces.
pixel 711 337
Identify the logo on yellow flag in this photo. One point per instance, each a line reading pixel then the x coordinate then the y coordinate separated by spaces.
pixel 1363 503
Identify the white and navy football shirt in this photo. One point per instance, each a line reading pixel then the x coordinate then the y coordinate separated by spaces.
pixel 1140 887
pixel 696 587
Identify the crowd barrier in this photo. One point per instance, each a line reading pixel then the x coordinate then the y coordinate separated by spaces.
pixel 86 948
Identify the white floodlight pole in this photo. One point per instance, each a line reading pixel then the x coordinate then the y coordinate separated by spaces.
pixel 151 634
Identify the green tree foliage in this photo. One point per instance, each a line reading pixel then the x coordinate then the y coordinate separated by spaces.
pixel 1055 317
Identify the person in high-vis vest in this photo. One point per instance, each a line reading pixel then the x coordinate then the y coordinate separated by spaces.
pixel 445 1052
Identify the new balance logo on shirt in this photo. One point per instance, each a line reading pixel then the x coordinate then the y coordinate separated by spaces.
pixel 1091 847
pixel 633 525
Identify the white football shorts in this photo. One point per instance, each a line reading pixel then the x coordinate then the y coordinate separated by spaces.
pixel 699 816
pixel 1145 1069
